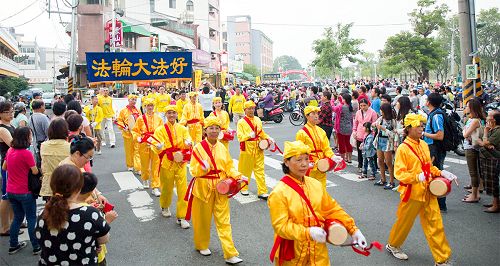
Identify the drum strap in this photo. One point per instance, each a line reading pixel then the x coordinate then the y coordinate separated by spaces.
pixel 148 133
pixel 133 111
pixel 315 148
pixel 254 129
pixel 425 168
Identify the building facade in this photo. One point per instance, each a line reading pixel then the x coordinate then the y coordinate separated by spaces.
pixel 8 50
pixel 262 51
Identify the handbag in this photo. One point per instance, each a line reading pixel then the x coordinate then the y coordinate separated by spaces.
pixel 34 182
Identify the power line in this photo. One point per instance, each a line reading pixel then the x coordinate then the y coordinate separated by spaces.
pixel 18 12
pixel 57 4
pixel 41 13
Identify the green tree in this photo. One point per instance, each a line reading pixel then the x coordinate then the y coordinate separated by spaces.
pixel 251 69
pixel 287 62
pixel 428 17
pixel 12 86
pixel 333 48
pixel 445 35
pixel 488 40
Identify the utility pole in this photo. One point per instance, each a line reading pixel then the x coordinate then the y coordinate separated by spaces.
pixel 72 58
pixel 113 29
pixel 54 69
pixel 452 52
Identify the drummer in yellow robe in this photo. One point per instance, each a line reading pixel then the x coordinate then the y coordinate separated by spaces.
pixel 206 200
pixel 162 100
pixel 223 117
pixel 416 198
pixel 293 221
pixel 181 102
pixel 126 120
pixel 249 133
pixel 142 132
pixel 151 94
pixel 192 117
pixel 315 137
pixel 172 137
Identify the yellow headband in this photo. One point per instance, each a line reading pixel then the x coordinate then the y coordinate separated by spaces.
pixel 248 104
pixel 217 99
pixel 309 109
pixel 132 96
pixel 294 148
pixel 149 101
pixel 211 121
pixel 414 120
pixel 171 108
pixel 192 94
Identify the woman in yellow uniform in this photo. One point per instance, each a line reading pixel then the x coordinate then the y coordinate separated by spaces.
pixel 126 121
pixel 192 117
pixel 223 117
pixel 142 132
pixel 203 197
pixel 315 137
pixel 172 137
pixel 412 158
pixel 299 238
pixel 162 100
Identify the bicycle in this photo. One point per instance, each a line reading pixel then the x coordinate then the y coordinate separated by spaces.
pixel 297 117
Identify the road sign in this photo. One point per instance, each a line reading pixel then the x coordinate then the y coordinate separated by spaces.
pixel 471 71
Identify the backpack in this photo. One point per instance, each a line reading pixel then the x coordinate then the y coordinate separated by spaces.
pixel 451 132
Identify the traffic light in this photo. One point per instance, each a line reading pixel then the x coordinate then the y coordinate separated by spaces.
pixel 107 47
pixel 64 73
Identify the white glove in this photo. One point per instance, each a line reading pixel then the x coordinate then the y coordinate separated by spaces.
pixel 94 124
pixel 318 234
pixel 359 238
pixel 448 175
pixel 337 159
pixel 252 135
pixel 139 139
pixel 187 142
pixel 244 179
pixel 159 146
pixel 421 177
pixel 125 128
pixel 205 165
pixel 271 140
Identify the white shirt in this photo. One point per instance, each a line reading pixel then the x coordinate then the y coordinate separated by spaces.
pixel 422 100
pixel 206 101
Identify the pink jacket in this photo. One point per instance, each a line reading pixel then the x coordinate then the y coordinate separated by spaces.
pixel 360 119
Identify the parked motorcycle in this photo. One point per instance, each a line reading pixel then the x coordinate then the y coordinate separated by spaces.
pixel 275 114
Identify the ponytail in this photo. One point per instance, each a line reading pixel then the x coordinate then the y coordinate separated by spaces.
pixel 347 99
pixel 65 181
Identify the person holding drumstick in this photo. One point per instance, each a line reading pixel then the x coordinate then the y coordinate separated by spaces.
pixel 173 138
pixel 299 205
pixel 143 131
pixel 210 164
pixel 192 117
pixel 414 169
pixel 249 133
pixel 223 117
pixel 315 137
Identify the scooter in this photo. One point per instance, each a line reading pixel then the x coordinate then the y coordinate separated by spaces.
pixel 275 114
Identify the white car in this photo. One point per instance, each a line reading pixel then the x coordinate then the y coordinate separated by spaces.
pixel 47 98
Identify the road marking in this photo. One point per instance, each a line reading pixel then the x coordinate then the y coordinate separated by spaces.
pixel 447 159
pixel 351 177
pixel 127 181
pixel 142 205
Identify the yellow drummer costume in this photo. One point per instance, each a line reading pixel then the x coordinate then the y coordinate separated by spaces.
pixel 145 127
pixel 172 137
pixel 249 133
pixel 416 198
pixel 223 116
pixel 180 103
pixel 205 201
pixel 315 138
pixel 162 100
pixel 292 219
pixel 192 118
pixel 126 120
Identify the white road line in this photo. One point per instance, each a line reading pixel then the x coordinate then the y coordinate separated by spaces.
pixel 272 162
pixel 142 205
pixel 351 177
pixel 127 181
pixel 447 159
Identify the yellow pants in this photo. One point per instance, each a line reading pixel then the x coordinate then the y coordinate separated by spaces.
pixel 320 176
pixel 149 165
pixel 202 212
pixel 128 146
pixel 137 157
pixel 432 225
pixel 167 178
pixel 195 131
pixel 250 162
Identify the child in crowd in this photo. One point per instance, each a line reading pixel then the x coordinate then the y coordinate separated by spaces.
pixel 369 152
pixel 87 198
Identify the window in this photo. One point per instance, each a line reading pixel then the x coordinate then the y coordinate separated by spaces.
pixel 129 41
pixel 189 5
pixel 171 3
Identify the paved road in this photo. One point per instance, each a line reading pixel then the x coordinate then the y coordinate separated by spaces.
pixel 141 236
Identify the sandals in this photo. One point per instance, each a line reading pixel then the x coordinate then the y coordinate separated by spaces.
pixel 372 177
pixel 379 183
pixel 363 176
pixel 389 186
pixel 466 200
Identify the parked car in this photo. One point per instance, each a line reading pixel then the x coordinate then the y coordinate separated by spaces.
pixel 47 98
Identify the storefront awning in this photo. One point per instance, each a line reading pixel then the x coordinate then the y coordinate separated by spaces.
pixel 137 29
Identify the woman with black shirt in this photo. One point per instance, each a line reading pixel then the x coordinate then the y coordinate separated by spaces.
pixel 6 132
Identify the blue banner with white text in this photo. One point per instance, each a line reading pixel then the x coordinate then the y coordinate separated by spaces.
pixel 130 66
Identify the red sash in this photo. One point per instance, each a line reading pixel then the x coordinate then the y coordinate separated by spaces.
pixel 148 133
pixel 170 151
pixel 134 112
pixel 193 121
pixel 252 127
pixel 315 149
pixel 426 168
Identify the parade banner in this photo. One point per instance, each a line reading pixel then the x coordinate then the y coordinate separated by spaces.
pixel 223 78
pixel 257 80
pixel 197 78
pixel 129 66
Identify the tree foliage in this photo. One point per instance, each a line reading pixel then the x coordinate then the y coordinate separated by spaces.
pixel 445 35
pixel 286 62
pixel 12 86
pixel 334 47
pixel 428 17
pixel 251 69
pixel 488 39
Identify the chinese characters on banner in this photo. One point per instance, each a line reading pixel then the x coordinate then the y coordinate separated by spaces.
pixel 197 77
pixel 223 78
pixel 118 33
pixel 107 67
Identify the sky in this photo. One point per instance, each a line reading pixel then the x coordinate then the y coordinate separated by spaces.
pixel 293 25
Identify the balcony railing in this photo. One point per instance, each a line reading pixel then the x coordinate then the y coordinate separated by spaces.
pixel 173 26
pixel 5 35
pixel 9 65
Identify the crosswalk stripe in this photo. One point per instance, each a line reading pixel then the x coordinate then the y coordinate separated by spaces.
pixel 127 181
pixel 140 200
pixel 446 159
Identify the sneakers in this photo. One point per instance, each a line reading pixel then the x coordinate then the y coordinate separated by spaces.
pixel 184 224
pixel 165 212
pixel 145 184
pixel 263 196
pixel 446 263
pixel 395 188
pixel 99 152
pixel 244 192
pixel 130 169
pixel 233 260
pixel 156 192
pixel 205 252
pixel 21 245
pixel 103 144
pixel 389 186
pixel 37 251
pixel 112 146
pixel 379 183
pixel 396 252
